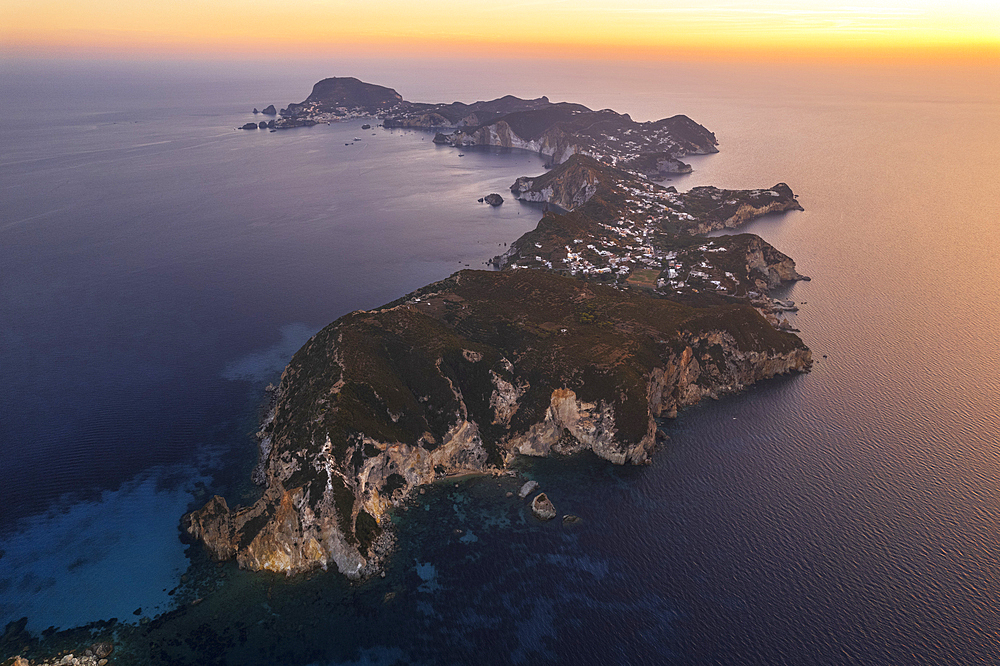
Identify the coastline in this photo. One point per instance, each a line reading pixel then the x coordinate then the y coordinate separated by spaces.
pixel 374 563
pixel 329 502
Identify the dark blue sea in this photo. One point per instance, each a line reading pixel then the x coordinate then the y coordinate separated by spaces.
pixel 158 268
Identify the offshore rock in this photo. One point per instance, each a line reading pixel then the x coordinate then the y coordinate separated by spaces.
pixel 460 377
pixel 493 199
pixel 528 488
pixel 270 110
pixel 542 507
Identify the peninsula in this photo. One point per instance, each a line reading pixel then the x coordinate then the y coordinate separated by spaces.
pixel 613 312
pixel 556 130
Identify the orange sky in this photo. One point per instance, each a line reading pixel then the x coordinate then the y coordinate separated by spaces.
pixel 599 28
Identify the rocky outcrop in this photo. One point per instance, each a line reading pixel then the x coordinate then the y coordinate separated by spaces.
pixel 542 508
pixel 462 377
pixel 560 131
pixel 493 199
pixel 769 267
pixel 269 110
pixel 715 209
pixel 94 655
pixel 350 93
pixel 569 185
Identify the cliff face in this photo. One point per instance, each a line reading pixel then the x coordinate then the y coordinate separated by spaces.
pixel 459 377
pixel 716 209
pixel 569 185
pixel 561 131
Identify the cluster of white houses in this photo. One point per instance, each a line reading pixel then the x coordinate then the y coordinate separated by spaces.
pixel 631 245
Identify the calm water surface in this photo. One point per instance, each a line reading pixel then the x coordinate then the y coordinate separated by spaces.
pixel 157 268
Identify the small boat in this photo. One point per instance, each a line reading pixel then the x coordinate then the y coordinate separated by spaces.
pixel 461 154
pixel 357 139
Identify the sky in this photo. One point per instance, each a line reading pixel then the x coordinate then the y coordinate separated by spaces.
pixel 574 28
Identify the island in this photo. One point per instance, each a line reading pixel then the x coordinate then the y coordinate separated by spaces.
pixel 613 312
pixel 557 130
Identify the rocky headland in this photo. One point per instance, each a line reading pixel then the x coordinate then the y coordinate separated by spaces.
pixel 622 229
pixel 560 131
pixel 556 130
pixel 613 312
pixel 460 377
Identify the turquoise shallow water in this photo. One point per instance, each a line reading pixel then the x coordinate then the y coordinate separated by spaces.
pixel 159 268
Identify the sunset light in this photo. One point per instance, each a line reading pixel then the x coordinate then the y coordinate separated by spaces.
pixel 527 27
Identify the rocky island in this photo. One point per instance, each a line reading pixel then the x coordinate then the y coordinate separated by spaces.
pixel 611 313
pixel 557 130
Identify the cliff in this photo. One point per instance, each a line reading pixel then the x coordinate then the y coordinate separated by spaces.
pixel 563 130
pixel 568 185
pixel 460 377
pixel 711 208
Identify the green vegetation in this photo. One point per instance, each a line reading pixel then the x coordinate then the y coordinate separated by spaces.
pixel 403 367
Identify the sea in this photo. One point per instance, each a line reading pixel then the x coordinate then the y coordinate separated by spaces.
pixel 158 268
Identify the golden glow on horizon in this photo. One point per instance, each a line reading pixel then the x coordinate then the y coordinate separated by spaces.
pixel 575 28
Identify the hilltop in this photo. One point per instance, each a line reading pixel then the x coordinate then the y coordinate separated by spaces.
pixel 460 377
pixel 563 130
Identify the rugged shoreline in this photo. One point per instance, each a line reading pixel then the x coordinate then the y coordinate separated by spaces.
pixel 624 315
pixel 354 435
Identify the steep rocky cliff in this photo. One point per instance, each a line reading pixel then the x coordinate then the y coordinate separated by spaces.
pixel 459 377
pixel 563 130
pixel 569 185
pixel 712 208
